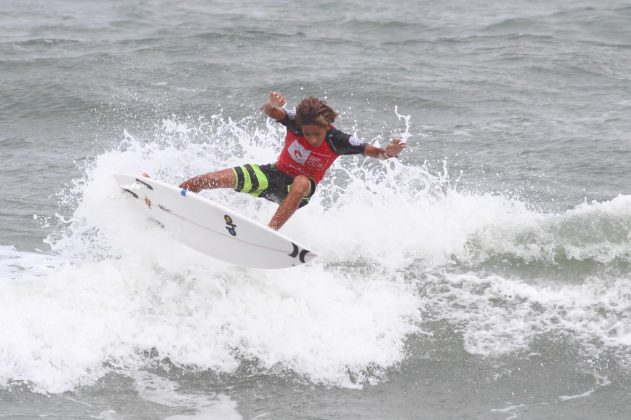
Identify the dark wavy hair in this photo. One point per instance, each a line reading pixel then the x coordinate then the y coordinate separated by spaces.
pixel 313 111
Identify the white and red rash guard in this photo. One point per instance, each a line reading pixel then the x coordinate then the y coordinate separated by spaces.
pixel 298 157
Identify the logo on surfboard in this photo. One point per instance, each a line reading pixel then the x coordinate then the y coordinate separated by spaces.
pixel 231 227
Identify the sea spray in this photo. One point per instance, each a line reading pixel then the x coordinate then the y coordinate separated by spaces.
pixel 395 240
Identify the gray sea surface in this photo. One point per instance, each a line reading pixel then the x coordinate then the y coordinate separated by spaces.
pixel 486 274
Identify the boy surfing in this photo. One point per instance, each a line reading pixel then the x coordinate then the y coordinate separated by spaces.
pixel 312 144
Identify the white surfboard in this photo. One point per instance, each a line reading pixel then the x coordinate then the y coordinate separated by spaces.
pixel 211 228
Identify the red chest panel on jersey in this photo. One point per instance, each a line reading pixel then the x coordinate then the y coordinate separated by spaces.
pixel 299 157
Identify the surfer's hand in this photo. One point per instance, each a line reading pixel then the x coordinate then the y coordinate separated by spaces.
pixel 276 99
pixel 395 147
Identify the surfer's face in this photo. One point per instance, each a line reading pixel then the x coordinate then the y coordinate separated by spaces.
pixel 314 134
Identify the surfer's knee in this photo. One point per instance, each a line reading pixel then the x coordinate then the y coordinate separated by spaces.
pixel 301 185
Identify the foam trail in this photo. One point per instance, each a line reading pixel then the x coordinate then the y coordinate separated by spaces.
pixel 159 390
pixel 499 316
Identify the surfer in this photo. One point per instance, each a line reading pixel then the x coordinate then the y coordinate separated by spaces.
pixel 311 145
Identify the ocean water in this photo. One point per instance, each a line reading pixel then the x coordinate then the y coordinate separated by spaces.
pixel 486 274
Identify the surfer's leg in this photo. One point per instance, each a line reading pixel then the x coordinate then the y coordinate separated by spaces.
pixel 220 179
pixel 300 188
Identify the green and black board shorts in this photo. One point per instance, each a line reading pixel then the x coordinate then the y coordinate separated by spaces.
pixel 267 181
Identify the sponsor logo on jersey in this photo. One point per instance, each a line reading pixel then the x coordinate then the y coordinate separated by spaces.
pixel 315 162
pixel 298 152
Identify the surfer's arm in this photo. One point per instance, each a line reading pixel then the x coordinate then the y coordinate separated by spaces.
pixel 346 144
pixel 273 108
pixel 393 149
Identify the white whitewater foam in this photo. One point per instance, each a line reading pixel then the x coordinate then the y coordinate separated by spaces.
pixel 59 329
pixel 117 286
pixel 498 316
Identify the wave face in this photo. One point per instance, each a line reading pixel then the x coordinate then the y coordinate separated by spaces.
pixel 404 253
